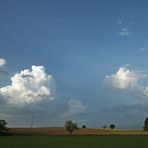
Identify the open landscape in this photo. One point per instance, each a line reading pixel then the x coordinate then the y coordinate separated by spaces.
pixel 73 73
pixel 87 138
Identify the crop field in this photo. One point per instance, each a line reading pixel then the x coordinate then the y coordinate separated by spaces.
pixel 79 141
pixel 81 131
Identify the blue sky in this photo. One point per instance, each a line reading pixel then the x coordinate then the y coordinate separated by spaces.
pixel 82 45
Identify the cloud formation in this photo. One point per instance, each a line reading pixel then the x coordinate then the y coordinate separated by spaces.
pixel 29 86
pixel 126 79
pixel 123 78
pixel 33 91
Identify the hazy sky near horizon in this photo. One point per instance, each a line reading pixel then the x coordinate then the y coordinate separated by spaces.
pixel 81 60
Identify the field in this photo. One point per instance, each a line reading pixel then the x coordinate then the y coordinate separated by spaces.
pixel 82 138
pixel 46 141
pixel 86 131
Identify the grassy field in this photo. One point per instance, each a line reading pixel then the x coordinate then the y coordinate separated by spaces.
pixel 46 141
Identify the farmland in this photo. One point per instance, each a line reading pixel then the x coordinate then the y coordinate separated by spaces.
pixel 87 138
pixel 46 141
pixel 81 131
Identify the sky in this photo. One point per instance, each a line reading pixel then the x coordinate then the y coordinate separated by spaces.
pixel 79 60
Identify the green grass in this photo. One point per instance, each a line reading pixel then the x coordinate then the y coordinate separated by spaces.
pixel 43 141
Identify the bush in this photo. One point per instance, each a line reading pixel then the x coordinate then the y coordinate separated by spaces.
pixel 112 126
pixel 84 126
pixel 3 127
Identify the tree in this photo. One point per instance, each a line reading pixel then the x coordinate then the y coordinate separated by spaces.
pixel 84 126
pixel 112 126
pixel 3 127
pixel 146 125
pixel 71 126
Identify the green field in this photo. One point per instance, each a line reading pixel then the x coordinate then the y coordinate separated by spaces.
pixel 43 141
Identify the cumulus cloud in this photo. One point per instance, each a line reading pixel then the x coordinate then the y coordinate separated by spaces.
pixel 123 78
pixel 126 79
pixel 2 62
pixel 124 32
pixel 33 91
pixel 29 86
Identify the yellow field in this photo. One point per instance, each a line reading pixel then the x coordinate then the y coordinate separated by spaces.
pixel 87 131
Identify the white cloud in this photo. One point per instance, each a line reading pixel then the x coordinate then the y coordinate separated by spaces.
pixel 34 91
pixel 2 62
pixel 124 32
pixel 28 87
pixel 123 78
pixel 126 79
pixel 75 107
